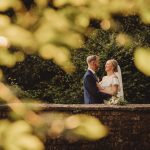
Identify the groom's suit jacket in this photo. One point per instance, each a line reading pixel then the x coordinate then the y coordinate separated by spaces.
pixel 91 92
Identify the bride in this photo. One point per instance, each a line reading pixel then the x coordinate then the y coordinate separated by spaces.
pixel 112 83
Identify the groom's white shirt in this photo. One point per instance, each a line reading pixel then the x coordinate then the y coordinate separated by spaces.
pixel 91 70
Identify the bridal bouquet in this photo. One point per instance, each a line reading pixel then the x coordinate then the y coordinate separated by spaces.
pixel 116 101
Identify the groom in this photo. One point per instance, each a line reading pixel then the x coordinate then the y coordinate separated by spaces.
pixel 91 93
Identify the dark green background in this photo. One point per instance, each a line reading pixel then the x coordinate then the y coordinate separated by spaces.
pixel 42 79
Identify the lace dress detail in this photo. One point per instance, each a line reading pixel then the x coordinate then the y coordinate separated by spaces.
pixel 108 81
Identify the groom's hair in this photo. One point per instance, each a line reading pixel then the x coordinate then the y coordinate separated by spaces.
pixel 91 58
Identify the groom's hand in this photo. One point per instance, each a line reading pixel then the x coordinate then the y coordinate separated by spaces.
pixel 99 86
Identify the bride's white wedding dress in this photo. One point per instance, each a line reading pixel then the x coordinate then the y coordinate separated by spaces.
pixel 115 79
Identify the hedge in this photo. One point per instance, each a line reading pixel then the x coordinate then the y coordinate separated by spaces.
pixel 44 80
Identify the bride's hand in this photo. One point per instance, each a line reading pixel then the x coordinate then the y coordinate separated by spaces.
pixel 99 87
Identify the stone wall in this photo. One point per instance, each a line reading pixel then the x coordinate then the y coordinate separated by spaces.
pixel 129 126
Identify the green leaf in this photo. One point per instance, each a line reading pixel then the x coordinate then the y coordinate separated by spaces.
pixel 142 60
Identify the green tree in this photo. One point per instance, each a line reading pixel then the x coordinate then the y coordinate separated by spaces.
pixel 50 83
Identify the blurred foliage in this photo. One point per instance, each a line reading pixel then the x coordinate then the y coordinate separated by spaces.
pixel 27 133
pixel 50 28
pixel 18 136
pixel 27 129
pixel 142 60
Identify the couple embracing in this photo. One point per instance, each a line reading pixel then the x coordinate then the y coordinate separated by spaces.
pixel 95 91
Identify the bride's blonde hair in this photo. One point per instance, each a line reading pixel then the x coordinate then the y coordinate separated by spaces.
pixel 115 64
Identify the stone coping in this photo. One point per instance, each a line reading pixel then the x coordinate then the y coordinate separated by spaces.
pixel 67 107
